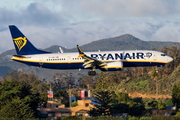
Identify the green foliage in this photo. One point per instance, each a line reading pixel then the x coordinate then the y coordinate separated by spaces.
pixel 74 104
pixel 38 87
pixel 169 102
pixel 177 113
pixel 136 109
pixel 133 118
pixel 17 108
pixel 43 97
pixel 153 104
pixel 157 104
pixel 104 118
pixel 119 108
pixel 72 118
pixel 17 100
pixel 28 78
pixel 161 105
pixel 176 72
pixel 129 80
pixel 62 81
pixel 154 73
pixel 165 118
pixel 62 96
pixel 176 96
pixel 102 100
pixel 86 82
pixel 145 118
pixel 121 97
pixel 143 82
pixel 138 100
pixel 103 81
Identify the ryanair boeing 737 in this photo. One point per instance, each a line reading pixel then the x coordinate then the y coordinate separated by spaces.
pixel 105 61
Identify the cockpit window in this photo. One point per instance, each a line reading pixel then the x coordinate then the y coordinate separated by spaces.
pixel 163 54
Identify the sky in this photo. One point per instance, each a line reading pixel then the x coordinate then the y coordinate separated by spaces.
pixel 70 22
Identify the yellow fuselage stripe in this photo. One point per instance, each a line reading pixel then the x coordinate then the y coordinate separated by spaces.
pixel 21 59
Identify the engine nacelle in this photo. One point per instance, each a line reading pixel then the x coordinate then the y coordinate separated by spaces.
pixel 114 66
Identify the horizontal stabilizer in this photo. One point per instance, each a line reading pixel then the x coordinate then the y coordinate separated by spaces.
pixel 20 56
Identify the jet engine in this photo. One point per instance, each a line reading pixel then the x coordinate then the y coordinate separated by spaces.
pixel 114 66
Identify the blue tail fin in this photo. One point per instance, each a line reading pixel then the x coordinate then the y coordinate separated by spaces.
pixel 22 44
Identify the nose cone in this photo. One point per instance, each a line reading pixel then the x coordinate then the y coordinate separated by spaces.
pixel 170 59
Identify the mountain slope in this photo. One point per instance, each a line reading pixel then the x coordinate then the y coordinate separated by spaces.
pixel 123 42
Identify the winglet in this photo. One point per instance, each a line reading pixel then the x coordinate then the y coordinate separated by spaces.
pixel 81 53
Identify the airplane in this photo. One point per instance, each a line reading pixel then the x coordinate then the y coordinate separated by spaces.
pixel 103 60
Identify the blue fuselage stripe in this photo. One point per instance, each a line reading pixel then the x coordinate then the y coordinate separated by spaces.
pixel 80 64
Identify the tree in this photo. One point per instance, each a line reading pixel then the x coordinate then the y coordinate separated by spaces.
pixel 62 81
pixel 86 82
pixel 176 96
pixel 161 105
pixel 17 100
pixel 62 96
pixel 135 108
pixel 31 79
pixel 122 97
pixel 119 108
pixel 169 102
pixel 153 104
pixel 74 104
pixel 102 82
pixel 102 103
pixel 17 108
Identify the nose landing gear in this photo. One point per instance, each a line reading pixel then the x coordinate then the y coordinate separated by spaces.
pixel 92 73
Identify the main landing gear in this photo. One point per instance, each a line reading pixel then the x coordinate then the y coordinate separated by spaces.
pixel 92 73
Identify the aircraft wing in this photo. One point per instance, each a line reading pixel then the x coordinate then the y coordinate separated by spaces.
pixel 90 62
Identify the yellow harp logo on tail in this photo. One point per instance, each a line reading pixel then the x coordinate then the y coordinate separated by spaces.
pixel 20 42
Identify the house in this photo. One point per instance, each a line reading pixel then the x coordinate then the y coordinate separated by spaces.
pixel 57 110
pixel 163 112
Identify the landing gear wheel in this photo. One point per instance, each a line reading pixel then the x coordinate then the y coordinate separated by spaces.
pixel 92 73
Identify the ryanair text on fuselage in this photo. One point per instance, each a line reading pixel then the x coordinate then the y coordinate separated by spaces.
pixel 121 56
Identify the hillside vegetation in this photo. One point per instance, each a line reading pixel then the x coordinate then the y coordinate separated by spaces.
pixel 149 80
pixel 113 90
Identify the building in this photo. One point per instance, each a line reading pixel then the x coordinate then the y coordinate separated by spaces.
pixel 56 110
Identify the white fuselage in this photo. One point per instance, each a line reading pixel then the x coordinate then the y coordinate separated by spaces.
pixel 129 58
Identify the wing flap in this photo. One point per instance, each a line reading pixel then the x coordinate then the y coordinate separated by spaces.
pixel 90 62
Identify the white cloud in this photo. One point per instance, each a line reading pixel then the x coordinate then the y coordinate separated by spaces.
pixel 68 23
pixel 116 9
pixel 169 32
pixel 6 44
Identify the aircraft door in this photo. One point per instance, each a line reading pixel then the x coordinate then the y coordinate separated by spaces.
pixel 154 56
pixel 69 59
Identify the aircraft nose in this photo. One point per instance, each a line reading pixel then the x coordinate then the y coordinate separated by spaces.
pixel 170 59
